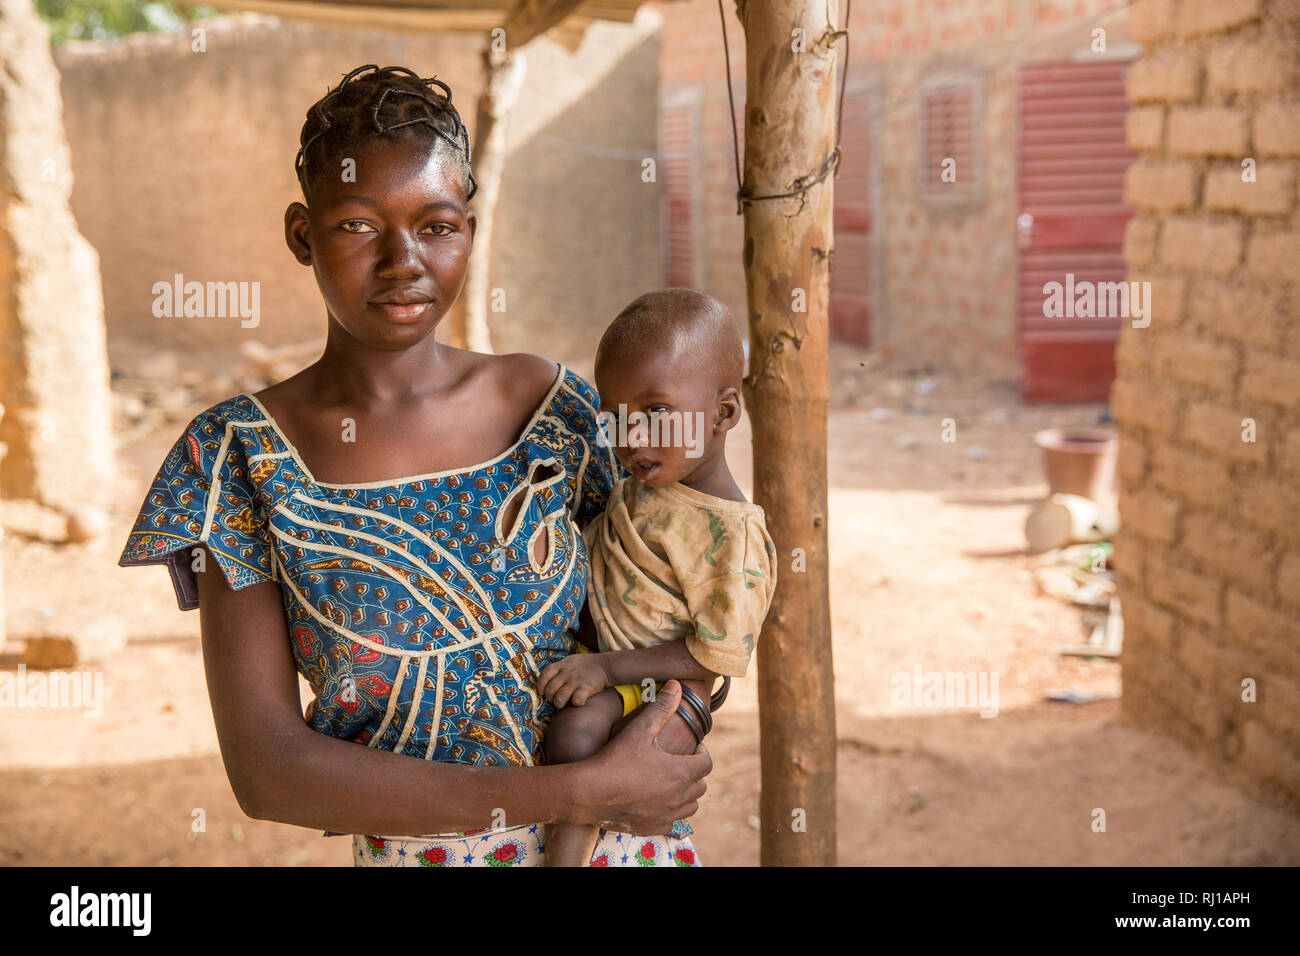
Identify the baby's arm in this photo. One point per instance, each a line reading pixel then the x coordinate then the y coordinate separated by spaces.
pixel 662 662
pixel 573 680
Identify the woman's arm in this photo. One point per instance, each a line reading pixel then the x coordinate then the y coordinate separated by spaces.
pixel 282 770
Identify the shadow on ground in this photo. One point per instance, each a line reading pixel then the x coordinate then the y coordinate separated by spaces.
pixel 956 789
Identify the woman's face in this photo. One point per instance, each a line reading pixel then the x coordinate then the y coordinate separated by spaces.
pixel 389 249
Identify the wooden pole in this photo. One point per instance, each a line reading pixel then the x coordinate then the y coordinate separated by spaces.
pixel 503 77
pixel 789 138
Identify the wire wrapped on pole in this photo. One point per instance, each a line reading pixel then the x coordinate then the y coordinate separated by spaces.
pixel 828 166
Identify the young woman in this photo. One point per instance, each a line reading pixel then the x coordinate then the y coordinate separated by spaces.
pixel 421 608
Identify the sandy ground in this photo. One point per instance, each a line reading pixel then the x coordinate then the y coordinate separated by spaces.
pixel 928 570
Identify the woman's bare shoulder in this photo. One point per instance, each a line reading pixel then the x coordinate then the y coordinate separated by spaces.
pixel 526 377
pixel 537 367
pixel 290 393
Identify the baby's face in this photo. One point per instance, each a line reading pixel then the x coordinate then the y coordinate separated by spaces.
pixel 659 416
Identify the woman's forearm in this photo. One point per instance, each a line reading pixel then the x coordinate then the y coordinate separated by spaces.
pixel 280 769
pixel 316 781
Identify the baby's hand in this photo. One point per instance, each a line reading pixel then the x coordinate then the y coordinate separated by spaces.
pixel 573 680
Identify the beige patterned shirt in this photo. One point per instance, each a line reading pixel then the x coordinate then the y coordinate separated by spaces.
pixel 671 564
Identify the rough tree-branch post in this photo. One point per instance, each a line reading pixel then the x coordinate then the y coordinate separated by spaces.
pixel 789 137
pixel 503 77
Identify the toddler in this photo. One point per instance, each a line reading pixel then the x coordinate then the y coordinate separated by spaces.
pixel 682 567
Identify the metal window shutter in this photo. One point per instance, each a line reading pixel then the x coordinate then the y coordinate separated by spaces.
pixel 850 312
pixel 679 169
pixel 947 115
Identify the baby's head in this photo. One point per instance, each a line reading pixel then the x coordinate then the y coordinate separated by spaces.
pixel 669 371
pixel 384 169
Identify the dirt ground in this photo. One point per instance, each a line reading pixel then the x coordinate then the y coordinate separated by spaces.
pixel 928 569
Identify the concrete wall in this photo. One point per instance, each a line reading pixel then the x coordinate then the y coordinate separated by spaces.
pixel 183 162
pixel 578 232
pixel 1210 555
pixel 944 279
pixel 53 372
pixel 692 70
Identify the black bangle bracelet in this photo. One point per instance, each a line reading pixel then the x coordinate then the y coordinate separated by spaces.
pixel 684 712
pixel 719 695
pixel 697 704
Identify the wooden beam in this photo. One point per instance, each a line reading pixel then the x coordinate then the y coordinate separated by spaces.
pixel 523 20
pixel 532 18
pixel 378 17
pixel 789 136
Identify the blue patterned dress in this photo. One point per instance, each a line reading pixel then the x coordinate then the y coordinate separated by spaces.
pixel 419 620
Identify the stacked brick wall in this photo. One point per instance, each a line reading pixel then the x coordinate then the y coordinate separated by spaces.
pixel 1208 395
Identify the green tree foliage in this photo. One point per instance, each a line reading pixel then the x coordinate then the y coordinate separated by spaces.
pixel 113 19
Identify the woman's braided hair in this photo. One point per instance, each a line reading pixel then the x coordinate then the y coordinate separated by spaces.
pixel 389 102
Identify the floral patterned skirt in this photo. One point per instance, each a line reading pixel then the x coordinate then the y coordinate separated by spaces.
pixel 521 846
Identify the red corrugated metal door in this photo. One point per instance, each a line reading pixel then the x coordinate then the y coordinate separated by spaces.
pixel 851 273
pixel 1072 216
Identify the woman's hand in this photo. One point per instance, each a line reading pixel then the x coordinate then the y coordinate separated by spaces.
pixel 573 679
pixel 636 786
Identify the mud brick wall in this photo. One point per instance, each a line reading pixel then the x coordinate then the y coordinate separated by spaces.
pixel 1209 557
pixel 183 163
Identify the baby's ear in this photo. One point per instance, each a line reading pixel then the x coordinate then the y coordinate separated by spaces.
pixel 728 416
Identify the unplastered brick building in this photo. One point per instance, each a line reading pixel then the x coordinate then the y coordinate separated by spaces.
pixel 1164 151
pixel 1208 394
pixel 984 149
